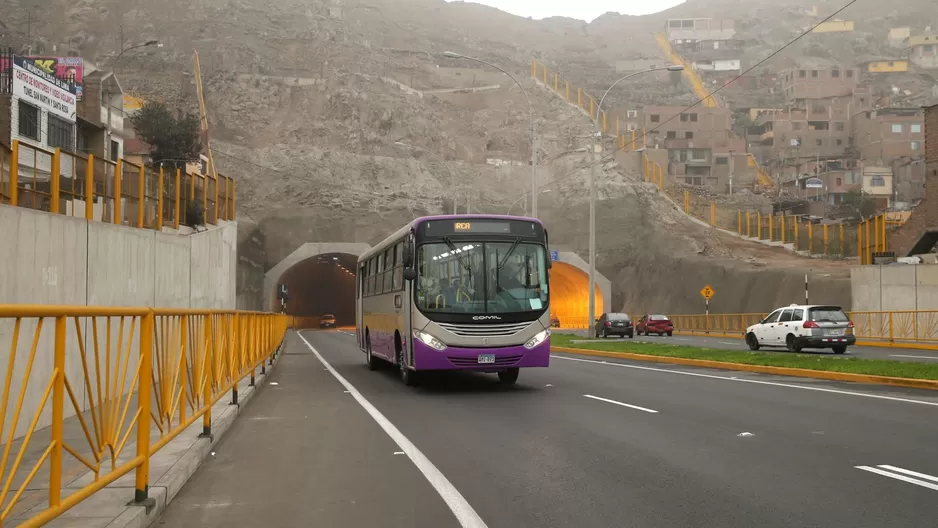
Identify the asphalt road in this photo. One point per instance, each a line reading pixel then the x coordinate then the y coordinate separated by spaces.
pixel 583 443
pixel 729 343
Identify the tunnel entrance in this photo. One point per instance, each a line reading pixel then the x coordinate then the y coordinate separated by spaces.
pixel 323 284
pixel 569 296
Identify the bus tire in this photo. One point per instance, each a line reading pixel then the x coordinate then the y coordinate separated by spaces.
pixel 409 377
pixel 509 377
pixel 370 359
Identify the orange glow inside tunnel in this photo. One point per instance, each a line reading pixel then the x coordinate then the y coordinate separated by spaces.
pixel 569 296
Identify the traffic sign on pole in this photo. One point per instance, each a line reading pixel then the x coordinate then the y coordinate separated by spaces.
pixel 707 292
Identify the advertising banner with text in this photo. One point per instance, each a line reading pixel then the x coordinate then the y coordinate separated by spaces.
pixel 30 85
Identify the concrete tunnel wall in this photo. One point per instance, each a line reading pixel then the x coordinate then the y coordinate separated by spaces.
pixel 317 278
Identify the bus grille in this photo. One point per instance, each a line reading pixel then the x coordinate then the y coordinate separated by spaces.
pixel 485 330
pixel 504 361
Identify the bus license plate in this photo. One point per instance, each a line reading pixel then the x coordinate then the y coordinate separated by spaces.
pixel 486 359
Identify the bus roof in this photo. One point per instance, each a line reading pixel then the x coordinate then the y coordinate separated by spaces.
pixel 413 224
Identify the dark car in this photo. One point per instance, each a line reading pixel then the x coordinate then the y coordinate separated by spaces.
pixel 554 321
pixel 615 324
pixel 655 324
pixel 327 321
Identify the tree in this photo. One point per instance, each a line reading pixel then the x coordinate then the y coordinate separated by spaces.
pixel 173 138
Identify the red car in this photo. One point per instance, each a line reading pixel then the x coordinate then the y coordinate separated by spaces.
pixel 655 324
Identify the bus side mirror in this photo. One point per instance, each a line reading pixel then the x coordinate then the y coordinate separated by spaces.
pixel 408 255
pixel 410 274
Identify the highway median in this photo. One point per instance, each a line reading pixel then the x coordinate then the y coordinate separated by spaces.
pixel 817 366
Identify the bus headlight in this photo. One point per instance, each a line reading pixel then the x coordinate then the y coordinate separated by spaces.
pixel 537 340
pixel 429 340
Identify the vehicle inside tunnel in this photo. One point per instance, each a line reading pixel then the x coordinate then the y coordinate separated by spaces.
pixel 322 284
pixel 569 296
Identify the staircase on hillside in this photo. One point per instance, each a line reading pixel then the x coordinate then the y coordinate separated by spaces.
pixel 709 101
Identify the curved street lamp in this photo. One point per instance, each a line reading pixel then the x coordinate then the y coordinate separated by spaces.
pixel 592 241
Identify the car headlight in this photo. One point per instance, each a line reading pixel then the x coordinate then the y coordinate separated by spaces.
pixel 429 340
pixel 537 339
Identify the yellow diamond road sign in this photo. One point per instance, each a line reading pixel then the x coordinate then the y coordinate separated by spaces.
pixel 707 292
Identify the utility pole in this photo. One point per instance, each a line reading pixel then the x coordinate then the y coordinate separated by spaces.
pixel 592 274
pixel 732 168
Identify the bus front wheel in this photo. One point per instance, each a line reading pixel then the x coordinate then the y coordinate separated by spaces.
pixel 509 377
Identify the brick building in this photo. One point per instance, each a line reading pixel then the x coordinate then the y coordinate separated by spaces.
pixel 923 50
pixel 924 217
pixel 681 30
pixel 889 134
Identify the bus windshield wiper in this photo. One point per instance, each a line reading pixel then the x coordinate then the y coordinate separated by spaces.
pixel 510 251
pixel 456 253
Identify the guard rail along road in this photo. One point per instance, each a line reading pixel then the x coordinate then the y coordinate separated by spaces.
pixel 918 329
pixel 91 394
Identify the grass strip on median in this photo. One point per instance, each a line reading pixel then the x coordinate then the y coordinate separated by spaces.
pixel 781 360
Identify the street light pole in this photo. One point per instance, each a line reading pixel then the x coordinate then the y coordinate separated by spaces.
pixel 593 168
pixel 453 55
pixel 157 43
pixel 448 168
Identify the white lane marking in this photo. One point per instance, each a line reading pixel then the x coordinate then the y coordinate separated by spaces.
pixel 757 382
pixel 727 343
pixel 916 357
pixel 879 471
pixel 620 403
pixel 908 472
pixel 464 513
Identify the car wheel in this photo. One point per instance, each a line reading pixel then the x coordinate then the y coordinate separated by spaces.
pixel 370 359
pixel 792 344
pixel 670 334
pixel 840 349
pixel 752 341
pixel 605 334
pixel 509 377
pixel 631 335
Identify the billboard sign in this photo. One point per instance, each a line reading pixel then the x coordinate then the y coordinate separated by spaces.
pixel 814 183
pixel 65 72
pixel 29 84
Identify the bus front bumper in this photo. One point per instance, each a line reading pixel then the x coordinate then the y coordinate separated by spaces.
pixel 453 358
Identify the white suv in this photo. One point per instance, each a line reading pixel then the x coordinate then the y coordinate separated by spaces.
pixel 802 326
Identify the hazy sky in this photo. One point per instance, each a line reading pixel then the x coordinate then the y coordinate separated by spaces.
pixel 580 9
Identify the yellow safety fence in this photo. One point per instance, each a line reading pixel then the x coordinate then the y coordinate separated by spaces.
pixel 829 240
pixel 696 83
pixel 118 192
pixel 92 393
pixel 632 140
pixel 886 328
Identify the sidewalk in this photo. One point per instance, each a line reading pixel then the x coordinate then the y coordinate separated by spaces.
pixel 304 454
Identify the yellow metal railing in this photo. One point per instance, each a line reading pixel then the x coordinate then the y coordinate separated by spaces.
pixel 104 389
pixel 575 95
pixel 100 190
pixel 696 83
pixel 888 327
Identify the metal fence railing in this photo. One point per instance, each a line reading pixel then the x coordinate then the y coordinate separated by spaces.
pixel 86 186
pixel 91 394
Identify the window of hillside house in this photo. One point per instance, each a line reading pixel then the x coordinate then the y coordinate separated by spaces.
pixel 693 118
pixel 835 73
pixel 672 134
pixel 877 181
pixel 802 74
pixel 896 129
pixel 688 135
pixel 61 133
pixel 814 74
pixel 655 118
pixel 916 145
pixel 712 181
pixel 839 127
pixel 28 121
pixel 722 160
pixel 915 129
pixel 849 73
pixel 820 142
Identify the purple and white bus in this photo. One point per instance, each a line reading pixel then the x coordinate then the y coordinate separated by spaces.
pixel 464 292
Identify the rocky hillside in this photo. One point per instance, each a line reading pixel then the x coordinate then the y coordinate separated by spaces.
pixel 309 98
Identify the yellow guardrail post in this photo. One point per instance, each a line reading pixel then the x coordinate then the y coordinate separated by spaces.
pixel 178 213
pixel 14 172
pixel 256 339
pixel 860 243
pixel 184 353
pixel 58 413
pixel 534 68
pixel 144 396
pixel 810 238
pixel 56 180
pixel 233 184
pixel 891 334
pixel 869 248
pixel 159 201
pixel 89 188
pixel 782 227
pixel 825 239
pixel 748 224
pixel 118 176
pixel 759 225
pixel 142 196
pixel 843 251
pixel 208 374
pixel 772 227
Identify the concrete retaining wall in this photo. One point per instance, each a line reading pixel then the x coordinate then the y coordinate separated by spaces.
pixel 892 288
pixel 50 259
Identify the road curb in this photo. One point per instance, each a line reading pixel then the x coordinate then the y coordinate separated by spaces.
pixel 761 369
pixel 878 344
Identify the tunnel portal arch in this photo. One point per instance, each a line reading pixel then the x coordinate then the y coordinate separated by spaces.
pixel 569 290
pixel 345 254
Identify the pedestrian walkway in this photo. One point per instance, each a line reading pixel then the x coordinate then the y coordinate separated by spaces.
pixel 305 453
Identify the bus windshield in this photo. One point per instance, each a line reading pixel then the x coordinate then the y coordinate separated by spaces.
pixel 481 277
